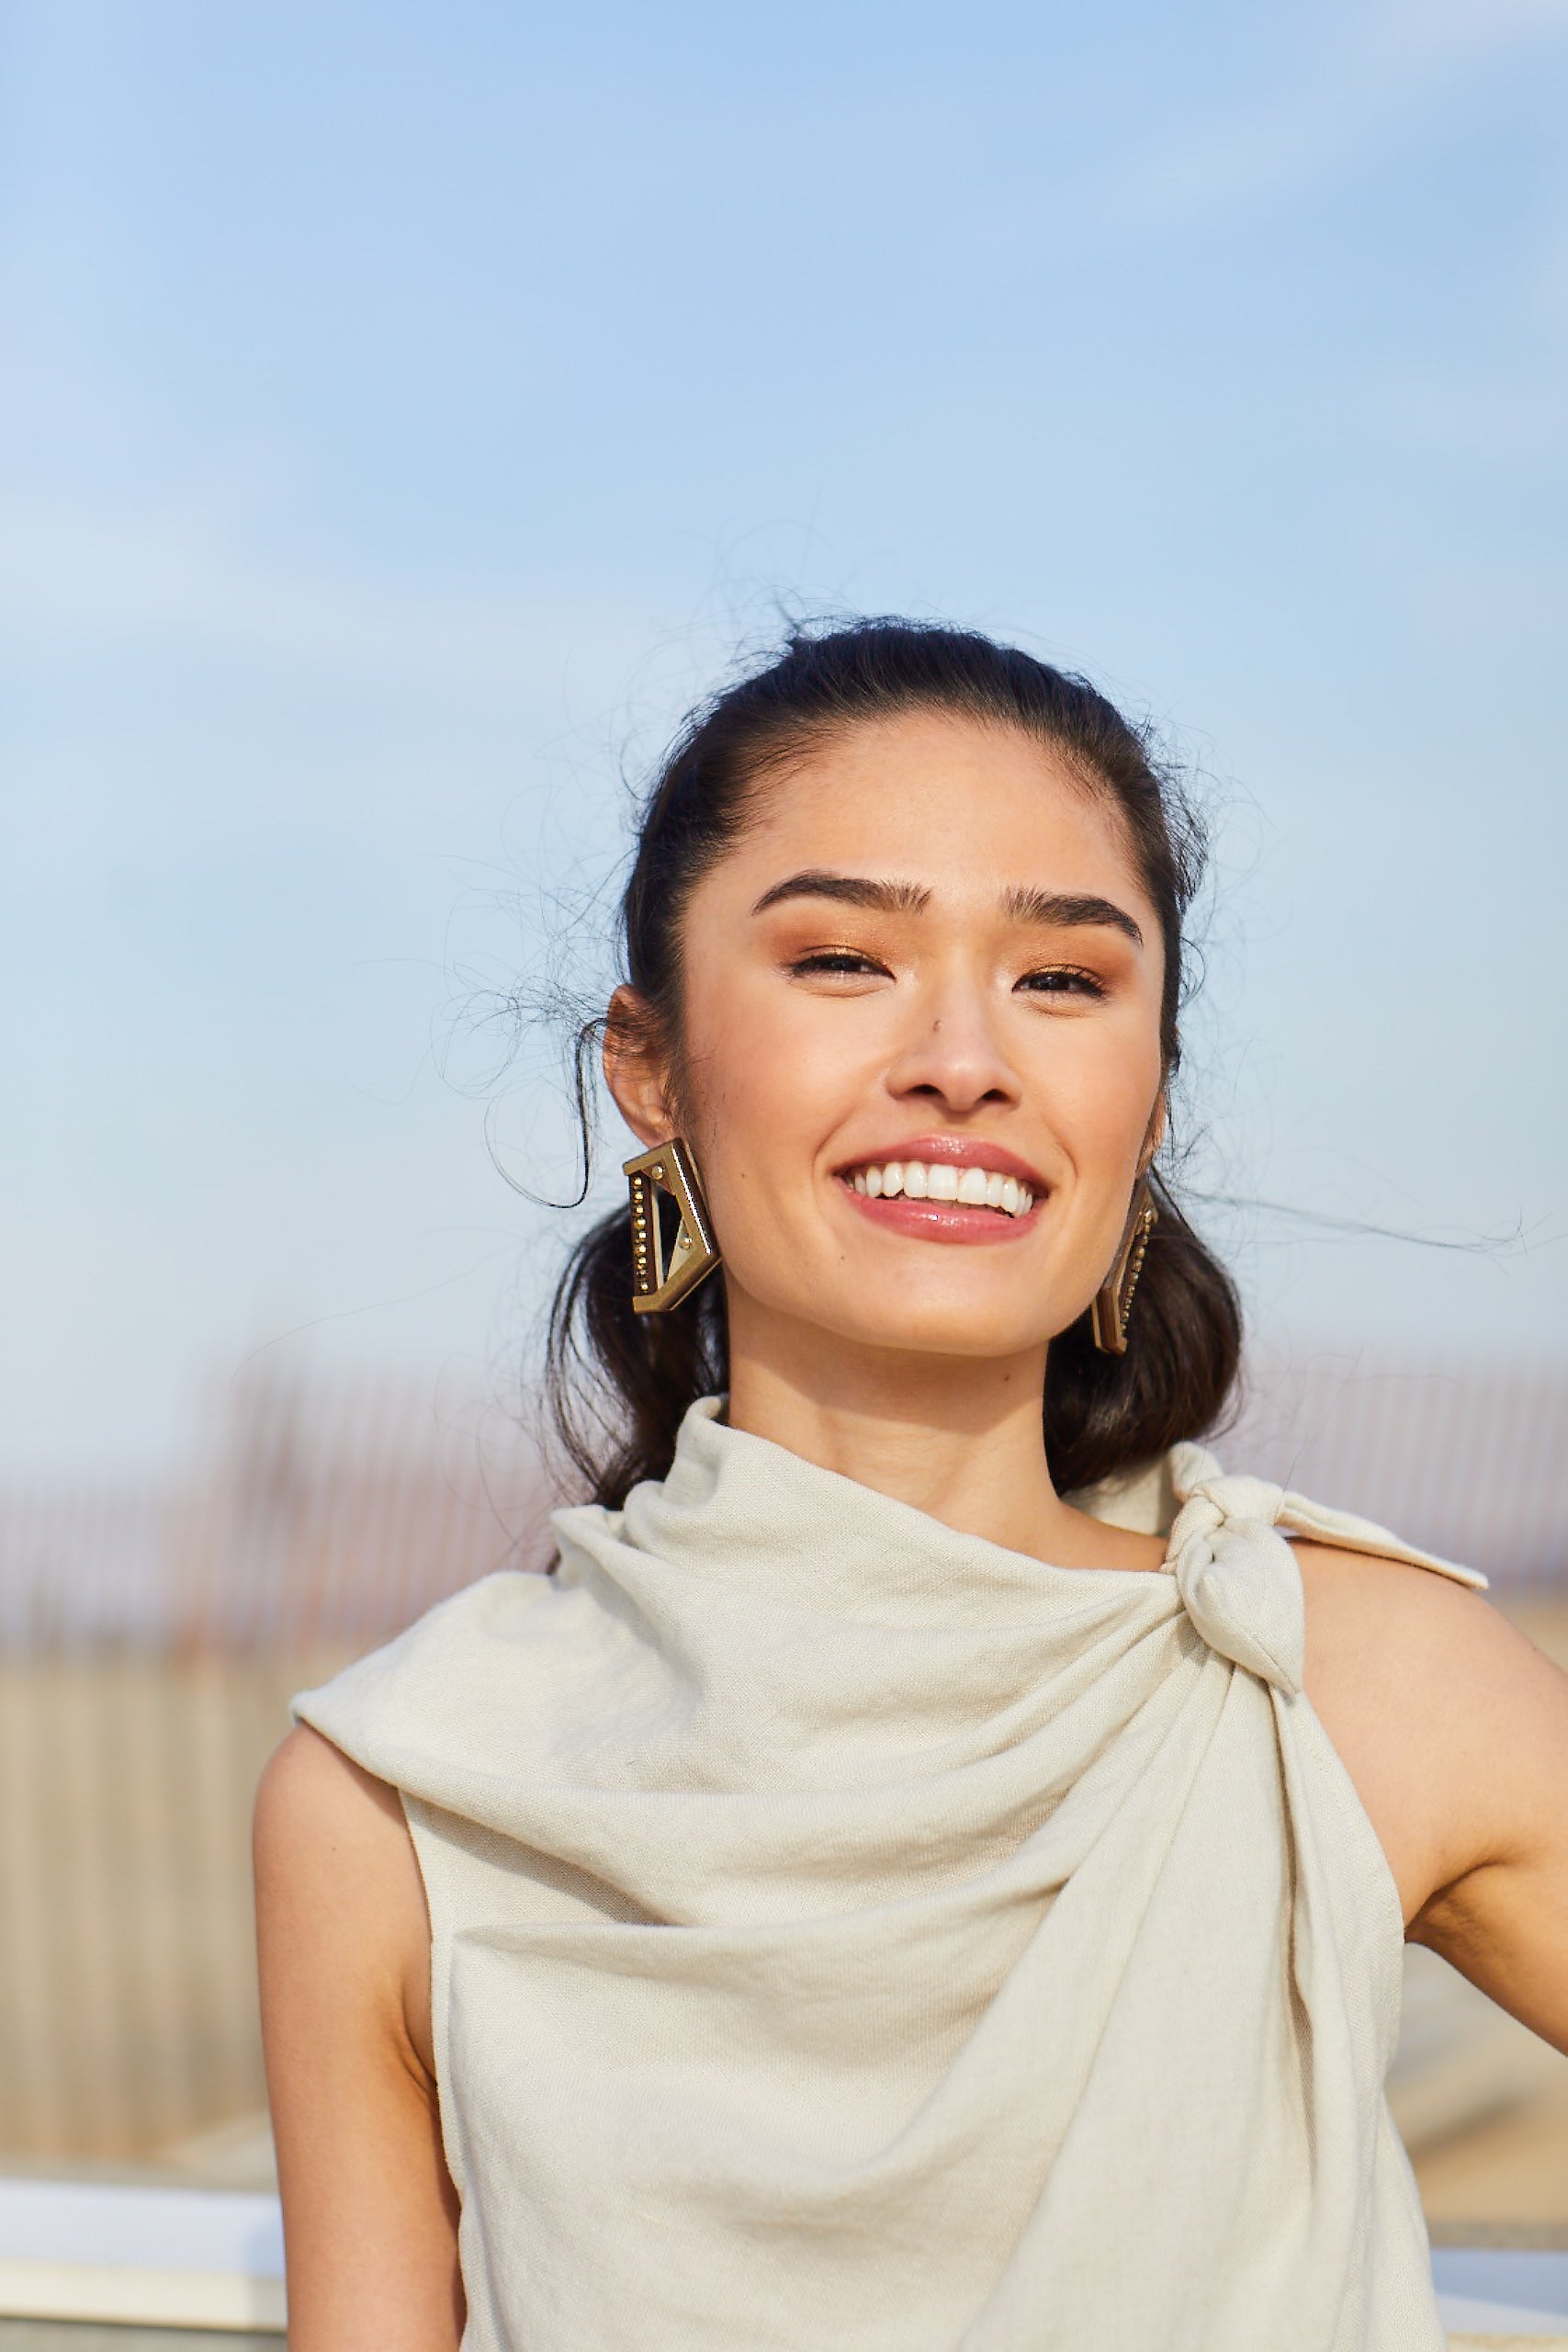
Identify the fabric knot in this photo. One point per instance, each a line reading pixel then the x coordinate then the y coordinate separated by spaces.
pixel 1238 1583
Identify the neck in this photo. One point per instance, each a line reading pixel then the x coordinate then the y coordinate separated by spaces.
pixel 958 1438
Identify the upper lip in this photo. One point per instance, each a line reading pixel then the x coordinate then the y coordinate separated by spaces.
pixel 958 1151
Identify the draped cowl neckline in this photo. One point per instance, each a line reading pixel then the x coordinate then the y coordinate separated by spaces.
pixel 849 1931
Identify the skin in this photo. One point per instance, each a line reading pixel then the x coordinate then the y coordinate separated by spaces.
pixel 824 1029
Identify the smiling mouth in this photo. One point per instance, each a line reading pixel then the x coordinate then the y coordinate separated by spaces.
pixel 943 1183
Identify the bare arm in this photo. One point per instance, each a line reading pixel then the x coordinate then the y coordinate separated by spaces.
pixel 370 2215
pixel 1454 1728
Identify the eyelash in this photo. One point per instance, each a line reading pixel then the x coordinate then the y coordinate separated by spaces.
pixel 1085 981
pixel 848 961
pixel 834 959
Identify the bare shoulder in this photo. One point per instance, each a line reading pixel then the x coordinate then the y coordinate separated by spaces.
pixel 337 1877
pixel 1452 1726
pixel 309 1791
pixel 369 2211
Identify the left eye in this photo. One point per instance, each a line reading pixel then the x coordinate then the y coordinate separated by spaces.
pixel 1062 979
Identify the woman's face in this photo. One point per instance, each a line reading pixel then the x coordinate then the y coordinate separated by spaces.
pixel 927 968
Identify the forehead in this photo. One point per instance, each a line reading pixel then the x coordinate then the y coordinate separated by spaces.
pixel 968 810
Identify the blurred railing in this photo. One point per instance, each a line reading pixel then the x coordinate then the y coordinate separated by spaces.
pixel 149 1644
pixel 156 2264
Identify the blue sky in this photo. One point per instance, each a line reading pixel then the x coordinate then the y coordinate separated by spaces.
pixel 407 411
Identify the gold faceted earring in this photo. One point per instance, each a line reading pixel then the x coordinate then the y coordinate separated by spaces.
pixel 661 1278
pixel 1113 1299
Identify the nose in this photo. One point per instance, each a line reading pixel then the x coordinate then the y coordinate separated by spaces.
pixel 951 1055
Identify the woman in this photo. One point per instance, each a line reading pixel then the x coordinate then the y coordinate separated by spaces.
pixel 928 1869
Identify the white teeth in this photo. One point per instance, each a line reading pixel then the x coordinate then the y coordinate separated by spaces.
pixel 921 1180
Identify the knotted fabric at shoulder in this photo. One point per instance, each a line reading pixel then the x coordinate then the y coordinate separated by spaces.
pixel 1234 1569
pixel 1236 1578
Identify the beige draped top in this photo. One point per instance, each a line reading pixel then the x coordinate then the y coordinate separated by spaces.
pixel 847 1933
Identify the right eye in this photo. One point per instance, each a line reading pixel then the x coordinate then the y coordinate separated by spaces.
pixel 845 960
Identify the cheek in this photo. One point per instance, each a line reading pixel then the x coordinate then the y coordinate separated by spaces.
pixel 756 1081
pixel 1117 1106
pixel 1097 1087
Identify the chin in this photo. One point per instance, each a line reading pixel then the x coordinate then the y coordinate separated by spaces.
pixel 944 1329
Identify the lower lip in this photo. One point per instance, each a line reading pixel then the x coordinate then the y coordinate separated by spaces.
pixel 942 1220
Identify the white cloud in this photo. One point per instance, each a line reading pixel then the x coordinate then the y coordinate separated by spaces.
pixel 75 578
pixel 1369 80
pixel 1463 28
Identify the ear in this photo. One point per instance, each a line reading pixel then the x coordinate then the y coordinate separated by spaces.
pixel 634 1068
pixel 1156 1136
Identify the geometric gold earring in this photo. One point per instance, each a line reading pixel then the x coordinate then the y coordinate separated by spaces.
pixel 661 1278
pixel 1113 1299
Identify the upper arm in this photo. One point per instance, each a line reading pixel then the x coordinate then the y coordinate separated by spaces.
pixel 1454 1728
pixel 370 2215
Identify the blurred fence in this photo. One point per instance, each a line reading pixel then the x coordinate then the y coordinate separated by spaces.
pixel 1467 1460
pixel 149 1643
pixel 149 1646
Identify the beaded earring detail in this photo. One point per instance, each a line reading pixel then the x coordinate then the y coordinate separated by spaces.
pixel 1113 1299
pixel 662 1277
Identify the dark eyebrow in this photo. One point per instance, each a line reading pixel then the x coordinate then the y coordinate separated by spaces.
pixel 1050 906
pixel 849 891
pixel 1020 905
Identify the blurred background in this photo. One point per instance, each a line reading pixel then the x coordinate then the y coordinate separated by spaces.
pixel 405 414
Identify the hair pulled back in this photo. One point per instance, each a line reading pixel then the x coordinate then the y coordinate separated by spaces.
pixel 619 1384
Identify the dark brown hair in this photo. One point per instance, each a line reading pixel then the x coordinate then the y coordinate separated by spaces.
pixel 619 1384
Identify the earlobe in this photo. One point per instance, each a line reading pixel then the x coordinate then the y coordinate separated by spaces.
pixel 634 1068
